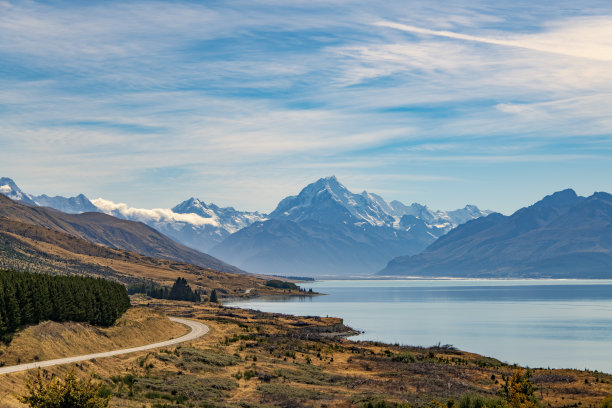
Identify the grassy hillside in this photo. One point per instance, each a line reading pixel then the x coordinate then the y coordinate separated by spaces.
pixel 49 340
pixel 34 248
pixel 112 232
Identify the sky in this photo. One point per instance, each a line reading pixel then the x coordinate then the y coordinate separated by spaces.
pixel 242 103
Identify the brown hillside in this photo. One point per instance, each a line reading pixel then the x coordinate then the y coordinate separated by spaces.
pixel 111 231
pixel 38 249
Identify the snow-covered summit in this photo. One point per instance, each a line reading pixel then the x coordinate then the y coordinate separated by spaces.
pixel 12 191
pixel 192 222
pixel 72 205
pixel 327 200
pixel 231 219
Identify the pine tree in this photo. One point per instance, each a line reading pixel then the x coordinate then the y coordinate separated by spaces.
pixel 213 296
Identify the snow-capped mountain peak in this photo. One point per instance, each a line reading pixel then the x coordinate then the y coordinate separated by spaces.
pixel 195 206
pixel 72 205
pixel 12 191
pixel 327 199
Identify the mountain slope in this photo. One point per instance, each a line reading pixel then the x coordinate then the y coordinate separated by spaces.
pixel 328 230
pixel 193 223
pixel 561 236
pixel 33 248
pixel 9 189
pixel 110 231
pixel 70 205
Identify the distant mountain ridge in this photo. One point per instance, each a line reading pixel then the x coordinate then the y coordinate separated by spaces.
pixel 325 229
pixel 193 223
pixel 561 236
pixel 70 205
pixel 112 232
pixel 328 230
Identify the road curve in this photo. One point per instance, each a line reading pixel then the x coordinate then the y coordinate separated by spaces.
pixel 197 330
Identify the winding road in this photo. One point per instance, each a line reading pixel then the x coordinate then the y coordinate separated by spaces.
pixel 197 330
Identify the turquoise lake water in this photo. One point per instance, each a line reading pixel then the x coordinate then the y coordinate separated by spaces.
pixel 537 323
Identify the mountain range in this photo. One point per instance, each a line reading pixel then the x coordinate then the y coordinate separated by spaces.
pixel 561 236
pixel 192 223
pixel 325 229
pixel 328 230
pixel 111 232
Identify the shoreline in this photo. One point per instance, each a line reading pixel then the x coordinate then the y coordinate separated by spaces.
pixel 515 355
pixel 310 352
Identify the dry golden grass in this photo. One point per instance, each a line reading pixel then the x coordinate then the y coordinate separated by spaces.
pixel 34 248
pixel 49 340
pixel 292 364
pixel 347 373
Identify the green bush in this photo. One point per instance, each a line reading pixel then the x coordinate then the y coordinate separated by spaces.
pixel 406 357
pixel 284 393
pixel 478 401
pixel 71 392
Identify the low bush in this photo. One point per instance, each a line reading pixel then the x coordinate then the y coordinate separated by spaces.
pixel 288 395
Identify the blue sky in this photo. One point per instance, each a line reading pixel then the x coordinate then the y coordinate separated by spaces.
pixel 244 102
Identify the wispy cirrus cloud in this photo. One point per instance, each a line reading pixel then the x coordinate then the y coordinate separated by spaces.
pixel 584 38
pixel 252 96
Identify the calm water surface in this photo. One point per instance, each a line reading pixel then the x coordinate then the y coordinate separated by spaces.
pixel 538 323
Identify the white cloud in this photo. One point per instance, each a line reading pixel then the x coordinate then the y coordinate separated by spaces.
pixel 582 38
pixel 162 215
pixel 257 97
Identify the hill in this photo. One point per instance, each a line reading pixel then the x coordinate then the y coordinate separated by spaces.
pixel 561 236
pixel 33 248
pixel 112 232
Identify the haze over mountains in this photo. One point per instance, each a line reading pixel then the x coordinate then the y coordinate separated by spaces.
pixel 110 231
pixel 561 236
pixel 326 229
pixel 192 222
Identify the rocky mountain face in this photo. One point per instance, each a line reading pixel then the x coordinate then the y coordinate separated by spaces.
pixel 328 230
pixel 561 236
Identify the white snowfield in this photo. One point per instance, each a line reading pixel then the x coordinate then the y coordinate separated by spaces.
pixel 197 330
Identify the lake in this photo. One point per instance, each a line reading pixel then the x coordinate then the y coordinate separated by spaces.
pixel 536 323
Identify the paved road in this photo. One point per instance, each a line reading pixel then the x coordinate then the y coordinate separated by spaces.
pixel 197 330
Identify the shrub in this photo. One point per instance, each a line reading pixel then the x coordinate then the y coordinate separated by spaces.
pixel 71 392
pixel 284 393
pixel 406 357
pixel 518 390
pixel 478 401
